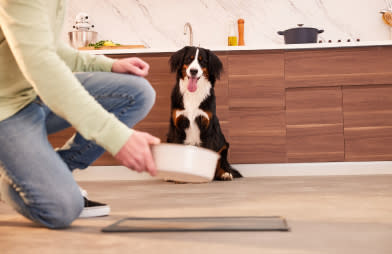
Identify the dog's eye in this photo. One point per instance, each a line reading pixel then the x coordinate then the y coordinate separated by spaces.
pixel 192 57
pixel 200 58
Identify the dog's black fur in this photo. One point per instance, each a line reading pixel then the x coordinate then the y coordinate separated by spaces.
pixel 211 135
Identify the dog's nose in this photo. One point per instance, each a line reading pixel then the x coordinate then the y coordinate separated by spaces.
pixel 193 72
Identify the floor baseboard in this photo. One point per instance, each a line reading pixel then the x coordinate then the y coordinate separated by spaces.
pixel 112 173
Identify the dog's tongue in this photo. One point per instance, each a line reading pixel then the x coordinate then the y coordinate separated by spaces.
pixel 192 85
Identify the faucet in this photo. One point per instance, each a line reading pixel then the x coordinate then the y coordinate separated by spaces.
pixel 187 24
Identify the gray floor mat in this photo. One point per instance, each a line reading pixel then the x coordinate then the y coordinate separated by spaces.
pixel 182 224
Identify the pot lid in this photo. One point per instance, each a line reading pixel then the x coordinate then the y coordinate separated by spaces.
pixel 300 27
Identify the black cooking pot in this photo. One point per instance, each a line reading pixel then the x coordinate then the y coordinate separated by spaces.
pixel 300 35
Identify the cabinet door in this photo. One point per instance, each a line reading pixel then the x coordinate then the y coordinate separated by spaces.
pixel 256 107
pixel 222 97
pixel 314 124
pixel 368 122
pixel 162 80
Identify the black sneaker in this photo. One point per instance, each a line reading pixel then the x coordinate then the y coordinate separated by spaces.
pixel 94 209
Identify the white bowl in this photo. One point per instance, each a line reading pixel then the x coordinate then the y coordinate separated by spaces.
pixel 184 163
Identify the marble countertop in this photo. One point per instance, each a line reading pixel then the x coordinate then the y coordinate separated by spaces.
pixel 244 48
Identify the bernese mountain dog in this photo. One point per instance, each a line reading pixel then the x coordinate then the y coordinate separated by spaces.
pixel 193 118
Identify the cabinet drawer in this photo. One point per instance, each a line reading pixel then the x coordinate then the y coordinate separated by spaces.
pixel 338 67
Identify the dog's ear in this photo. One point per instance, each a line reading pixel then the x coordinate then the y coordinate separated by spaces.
pixel 215 66
pixel 177 59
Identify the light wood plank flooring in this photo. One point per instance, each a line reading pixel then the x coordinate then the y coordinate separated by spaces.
pixel 327 214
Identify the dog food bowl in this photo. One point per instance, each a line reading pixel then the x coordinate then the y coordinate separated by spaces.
pixel 184 163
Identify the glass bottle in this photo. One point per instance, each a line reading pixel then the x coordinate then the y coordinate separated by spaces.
pixel 232 36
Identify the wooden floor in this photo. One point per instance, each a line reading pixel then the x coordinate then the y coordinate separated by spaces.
pixel 329 214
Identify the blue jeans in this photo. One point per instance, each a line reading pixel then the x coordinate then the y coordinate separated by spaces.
pixel 35 179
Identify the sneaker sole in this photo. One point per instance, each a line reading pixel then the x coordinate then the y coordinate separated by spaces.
pixel 95 212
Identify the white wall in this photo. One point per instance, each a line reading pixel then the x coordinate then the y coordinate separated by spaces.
pixel 160 24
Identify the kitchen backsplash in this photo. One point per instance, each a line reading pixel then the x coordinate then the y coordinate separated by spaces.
pixel 160 24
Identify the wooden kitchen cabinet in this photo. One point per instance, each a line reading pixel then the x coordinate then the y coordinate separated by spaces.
pixel 301 105
pixel 256 107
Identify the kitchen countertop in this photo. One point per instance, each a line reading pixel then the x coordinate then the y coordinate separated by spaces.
pixel 244 48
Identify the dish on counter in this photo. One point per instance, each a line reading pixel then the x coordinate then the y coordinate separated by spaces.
pixel 106 44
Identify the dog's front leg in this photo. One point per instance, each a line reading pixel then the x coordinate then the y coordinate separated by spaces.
pixel 180 121
pixel 178 124
pixel 203 120
pixel 222 172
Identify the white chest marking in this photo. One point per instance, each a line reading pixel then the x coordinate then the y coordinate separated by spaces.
pixel 191 109
pixel 192 101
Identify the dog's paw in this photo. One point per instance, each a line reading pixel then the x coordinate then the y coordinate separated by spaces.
pixel 226 176
pixel 202 122
pixel 182 123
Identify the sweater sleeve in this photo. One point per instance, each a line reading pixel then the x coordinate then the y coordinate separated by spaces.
pixel 82 61
pixel 26 25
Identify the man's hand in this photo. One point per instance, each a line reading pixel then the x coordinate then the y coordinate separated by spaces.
pixel 132 65
pixel 136 153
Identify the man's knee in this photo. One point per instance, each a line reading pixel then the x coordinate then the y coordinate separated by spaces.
pixel 140 89
pixel 52 208
pixel 59 213
pixel 148 95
